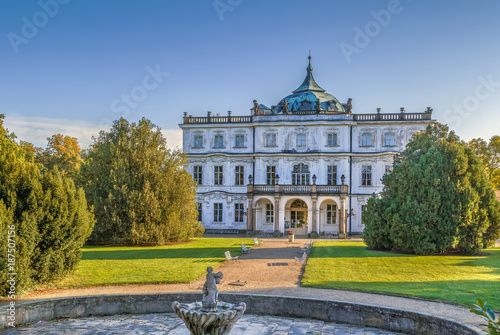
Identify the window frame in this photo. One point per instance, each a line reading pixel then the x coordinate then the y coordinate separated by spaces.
pixel 364 140
pixel 366 175
pixel 331 214
pixel 218 212
pixel 392 139
pixel 270 140
pixel 198 174
pixel 197 138
pixel 218 175
pixel 199 208
pixel 303 140
pixel 332 140
pixel 269 213
pixel 239 212
pixel 239 175
pixel 331 175
pixel 270 174
pixel 218 145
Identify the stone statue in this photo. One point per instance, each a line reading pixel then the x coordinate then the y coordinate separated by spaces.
pixel 318 106
pixel 210 292
pixel 285 107
pixel 349 105
pixel 255 107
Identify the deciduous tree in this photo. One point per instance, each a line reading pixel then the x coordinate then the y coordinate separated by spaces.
pixel 139 188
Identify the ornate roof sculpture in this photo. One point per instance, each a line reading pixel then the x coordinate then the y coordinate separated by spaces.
pixel 308 98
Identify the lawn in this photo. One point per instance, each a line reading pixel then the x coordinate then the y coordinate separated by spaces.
pixel 459 279
pixel 180 263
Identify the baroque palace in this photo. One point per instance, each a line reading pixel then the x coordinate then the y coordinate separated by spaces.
pixel 307 165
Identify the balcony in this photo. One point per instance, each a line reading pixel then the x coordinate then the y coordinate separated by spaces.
pixel 298 189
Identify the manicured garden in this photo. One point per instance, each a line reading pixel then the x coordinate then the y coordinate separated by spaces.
pixel 455 278
pixel 179 263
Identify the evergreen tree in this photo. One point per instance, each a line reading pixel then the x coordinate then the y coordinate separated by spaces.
pixel 50 218
pixel 140 190
pixel 436 199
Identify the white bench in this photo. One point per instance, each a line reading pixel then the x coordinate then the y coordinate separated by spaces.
pixel 229 257
pixel 308 245
pixel 301 259
pixel 257 243
pixel 306 250
pixel 245 249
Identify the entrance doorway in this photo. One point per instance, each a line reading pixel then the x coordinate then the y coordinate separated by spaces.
pixel 298 218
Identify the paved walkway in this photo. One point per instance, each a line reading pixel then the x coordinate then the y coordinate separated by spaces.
pixel 169 323
pixel 271 270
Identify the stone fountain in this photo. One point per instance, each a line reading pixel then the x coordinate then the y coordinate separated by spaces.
pixel 209 316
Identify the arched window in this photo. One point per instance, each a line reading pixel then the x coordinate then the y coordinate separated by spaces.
pixel 300 174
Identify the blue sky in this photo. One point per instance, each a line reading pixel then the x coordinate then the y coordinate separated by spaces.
pixel 73 66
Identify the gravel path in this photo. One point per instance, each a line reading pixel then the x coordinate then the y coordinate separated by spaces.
pixel 271 270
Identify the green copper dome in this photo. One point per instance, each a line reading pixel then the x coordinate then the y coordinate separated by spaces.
pixel 309 97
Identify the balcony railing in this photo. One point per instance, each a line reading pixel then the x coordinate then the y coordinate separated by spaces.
pixel 355 117
pixel 298 189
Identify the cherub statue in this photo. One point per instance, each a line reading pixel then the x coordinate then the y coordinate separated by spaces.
pixel 210 292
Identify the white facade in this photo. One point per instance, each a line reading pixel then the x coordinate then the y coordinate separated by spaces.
pixel 233 158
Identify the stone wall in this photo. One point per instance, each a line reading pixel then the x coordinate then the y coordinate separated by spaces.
pixel 325 310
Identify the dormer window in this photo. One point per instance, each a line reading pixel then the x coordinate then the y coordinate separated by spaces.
pixel 301 140
pixel 366 140
pixel 390 140
pixel 219 141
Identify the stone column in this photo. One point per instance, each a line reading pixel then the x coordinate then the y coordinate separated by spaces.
pixel 342 232
pixel 250 214
pixel 276 232
pixel 314 232
pixel 254 220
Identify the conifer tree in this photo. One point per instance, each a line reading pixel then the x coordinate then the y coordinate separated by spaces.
pixel 436 199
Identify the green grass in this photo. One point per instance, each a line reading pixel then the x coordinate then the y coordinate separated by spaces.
pixel 180 263
pixel 459 279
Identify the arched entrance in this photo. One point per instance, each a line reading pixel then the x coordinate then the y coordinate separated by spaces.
pixel 296 217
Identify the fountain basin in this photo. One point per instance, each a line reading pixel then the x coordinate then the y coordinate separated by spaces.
pixel 201 322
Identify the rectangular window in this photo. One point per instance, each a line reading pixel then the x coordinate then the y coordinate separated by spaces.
pixel 239 175
pixel 240 141
pixel 390 140
pixel 198 174
pixel 332 175
pixel 366 140
pixel 301 140
pixel 218 212
pixel 200 212
pixel 332 140
pixel 270 140
pixel 388 168
pixel 271 175
pixel 238 212
pixel 218 175
pixel 269 213
pixel 198 141
pixel 219 141
pixel 366 175
pixel 331 214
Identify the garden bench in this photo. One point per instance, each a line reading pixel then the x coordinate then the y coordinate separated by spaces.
pixel 306 250
pixel 229 257
pixel 308 245
pixel 257 243
pixel 245 249
pixel 301 259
